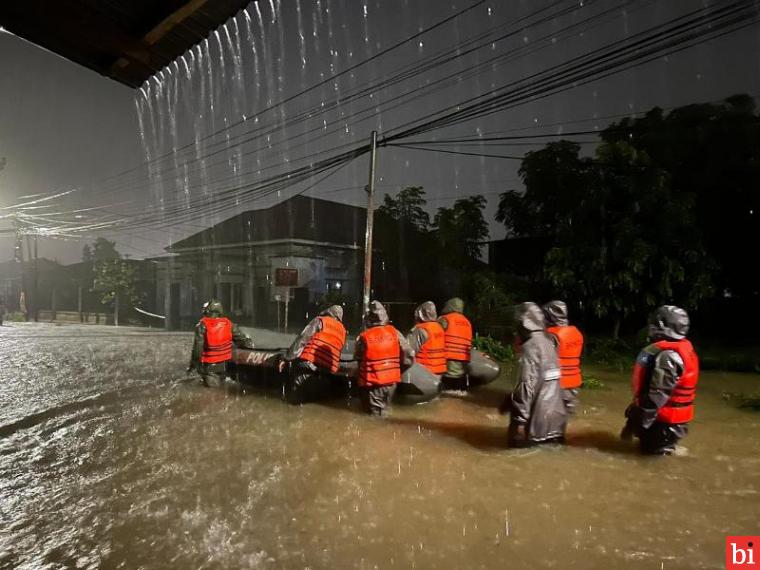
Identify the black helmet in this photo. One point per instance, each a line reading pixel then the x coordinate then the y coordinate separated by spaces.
pixel 213 308
pixel 669 322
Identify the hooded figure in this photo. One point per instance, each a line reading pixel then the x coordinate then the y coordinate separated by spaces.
pixel 664 384
pixel 537 412
pixel 317 349
pixel 568 341
pixel 458 335
pixel 383 354
pixel 427 339
pixel 214 338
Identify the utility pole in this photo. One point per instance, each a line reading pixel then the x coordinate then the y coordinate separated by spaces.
pixel 168 296
pixel 287 300
pixel 32 300
pixel 79 303
pixel 370 219
pixel 36 281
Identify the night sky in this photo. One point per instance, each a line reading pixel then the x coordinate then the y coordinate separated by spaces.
pixel 63 126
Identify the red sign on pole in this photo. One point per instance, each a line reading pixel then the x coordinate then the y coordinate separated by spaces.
pixel 286 277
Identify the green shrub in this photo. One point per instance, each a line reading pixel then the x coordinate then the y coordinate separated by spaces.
pixel 610 352
pixel 16 316
pixel 592 383
pixel 493 348
pixel 489 303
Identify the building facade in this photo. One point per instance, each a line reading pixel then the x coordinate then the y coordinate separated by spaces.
pixel 262 264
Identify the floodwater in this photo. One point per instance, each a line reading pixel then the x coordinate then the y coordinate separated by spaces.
pixel 110 459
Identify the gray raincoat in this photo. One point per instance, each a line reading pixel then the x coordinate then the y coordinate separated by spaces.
pixel 314 326
pixel 376 317
pixel 424 313
pixel 537 411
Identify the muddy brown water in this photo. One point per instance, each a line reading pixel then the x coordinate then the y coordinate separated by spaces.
pixel 110 459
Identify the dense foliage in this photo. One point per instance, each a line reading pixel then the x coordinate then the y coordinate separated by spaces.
pixel 657 215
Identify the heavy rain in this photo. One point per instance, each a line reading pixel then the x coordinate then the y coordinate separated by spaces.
pixel 363 284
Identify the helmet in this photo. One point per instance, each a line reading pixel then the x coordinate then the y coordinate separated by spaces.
pixel 213 308
pixel 555 313
pixel 669 322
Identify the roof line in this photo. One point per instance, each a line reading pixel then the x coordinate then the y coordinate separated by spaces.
pixel 264 243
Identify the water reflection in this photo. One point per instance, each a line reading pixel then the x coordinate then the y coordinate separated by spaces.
pixel 110 458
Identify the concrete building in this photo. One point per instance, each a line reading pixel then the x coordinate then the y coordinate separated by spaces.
pixel 303 249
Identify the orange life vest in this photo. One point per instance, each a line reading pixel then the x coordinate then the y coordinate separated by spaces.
pixel 217 344
pixel 381 363
pixel 324 348
pixel 679 408
pixel 569 348
pixel 432 354
pixel 458 337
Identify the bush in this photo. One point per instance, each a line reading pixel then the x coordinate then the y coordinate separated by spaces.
pixel 610 352
pixel 15 316
pixel 593 383
pixel 493 348
pixel 489 304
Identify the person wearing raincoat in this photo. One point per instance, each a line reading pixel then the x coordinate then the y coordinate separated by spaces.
pixel 458 336
pixel 537 413
pixel 427 339
pixel 665 378
pixel 214 337
pixel 568 341
pixel 314 354
pixel 382 353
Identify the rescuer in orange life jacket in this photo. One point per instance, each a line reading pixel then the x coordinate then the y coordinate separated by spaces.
pixel 212 345
pixel 458 335
pixel 316 349
pixel 383 354
pixel 569 343
pixel 427 339
pixel 664 384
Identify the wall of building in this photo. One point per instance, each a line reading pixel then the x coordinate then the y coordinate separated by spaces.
pixel 243 278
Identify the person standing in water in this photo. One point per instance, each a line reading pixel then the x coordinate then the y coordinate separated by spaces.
pixel 317 349
pixel 665 380
pixel 569 343
pixel 458 338
pixel 428 339
pixel 212 344
pixel 383 354
pixel 537 413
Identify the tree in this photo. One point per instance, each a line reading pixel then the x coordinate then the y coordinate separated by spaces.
pixel 101 250
pixel 621 240
pixel 712 154
pixel 462 229
pixel 407 208
pixel 114 280
pixel 556 179
pixel 490 303
pixel 403 227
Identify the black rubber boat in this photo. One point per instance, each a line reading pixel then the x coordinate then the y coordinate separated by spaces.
pixel 417 386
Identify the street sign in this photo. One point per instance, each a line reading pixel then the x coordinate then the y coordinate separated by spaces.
pixel 286 277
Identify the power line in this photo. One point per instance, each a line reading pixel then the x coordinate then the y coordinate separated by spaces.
pixel 588 67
